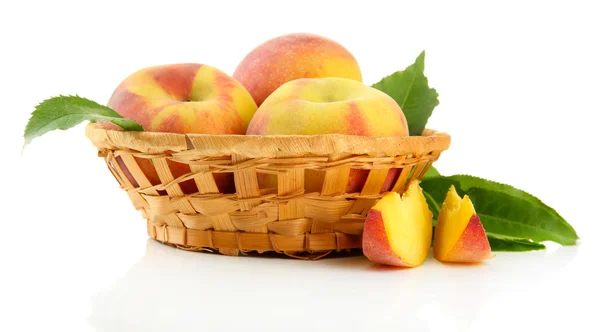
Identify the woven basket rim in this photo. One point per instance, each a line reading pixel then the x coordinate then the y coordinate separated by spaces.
pixel 254 146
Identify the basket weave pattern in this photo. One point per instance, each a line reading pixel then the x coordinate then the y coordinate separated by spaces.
pixel 306 214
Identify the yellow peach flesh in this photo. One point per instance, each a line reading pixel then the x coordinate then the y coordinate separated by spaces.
pixel 407 222
pixel 452 221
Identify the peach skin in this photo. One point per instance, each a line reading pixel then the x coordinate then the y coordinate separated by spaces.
pixel 184 98
pixel 315 106
pixel 398 229
pixel 293 56
pixel 224 181
pixel 459 234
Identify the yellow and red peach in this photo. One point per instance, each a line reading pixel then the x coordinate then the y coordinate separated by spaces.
pixel 184 98
pixel 397 229
pixel 358 177
pixel 331 106
pixel 314 106
pixel 390 179
pixel 293 56
pixel 356 180
pixel 224 181
pixel 459 235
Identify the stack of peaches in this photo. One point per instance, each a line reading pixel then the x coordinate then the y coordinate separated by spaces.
pixel 303 84
pixel 299 84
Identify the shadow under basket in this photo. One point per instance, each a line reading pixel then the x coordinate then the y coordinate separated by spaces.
pixel 303 196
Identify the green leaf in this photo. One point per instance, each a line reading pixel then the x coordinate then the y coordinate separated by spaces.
pixel 431 173
pixel 504 243
pixel 410 89
pixel 434 206
pixel 515 245
pixel 64 112
pixel 505 210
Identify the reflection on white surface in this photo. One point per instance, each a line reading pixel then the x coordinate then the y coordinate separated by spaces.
pixel 170 290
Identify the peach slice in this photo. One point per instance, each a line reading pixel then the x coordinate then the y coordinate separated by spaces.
pixel 398 229
pixel 459 234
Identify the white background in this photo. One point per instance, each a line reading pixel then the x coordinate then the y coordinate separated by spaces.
pixel 519 90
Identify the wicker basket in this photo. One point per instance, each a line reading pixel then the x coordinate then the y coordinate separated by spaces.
pixel 286 193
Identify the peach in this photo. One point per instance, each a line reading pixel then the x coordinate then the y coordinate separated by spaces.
pixel 146 168
pixel 459 234
pixel 224 181
pixel 357 180
pixel 314 106
pixel 390 179
pixel 293 56
pixel 358 177
pixel 331 106
pixel 184 98
pixel 398 229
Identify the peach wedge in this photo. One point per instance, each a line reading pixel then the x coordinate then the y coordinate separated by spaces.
pixel 398 229
pixel 459 234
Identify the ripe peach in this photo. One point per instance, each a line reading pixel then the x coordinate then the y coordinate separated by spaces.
pixel 398 229
pixel 292 56
pixel 184 98
pixel 314 106
pixel 390 179
pixel 459 234
pixel 358 177
pixel 331 106
pixel 224 181
pixel 356 180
